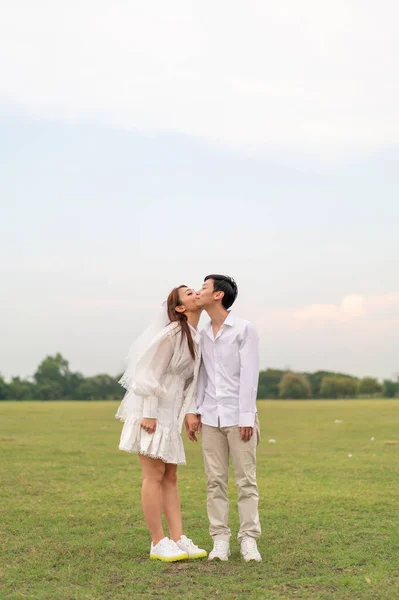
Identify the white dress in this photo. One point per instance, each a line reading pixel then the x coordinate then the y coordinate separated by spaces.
pixel 163 388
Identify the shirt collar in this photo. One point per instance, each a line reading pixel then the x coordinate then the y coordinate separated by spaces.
pixel 229 320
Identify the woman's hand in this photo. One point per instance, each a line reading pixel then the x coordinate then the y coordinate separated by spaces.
pixel 192 424
pixel 149 425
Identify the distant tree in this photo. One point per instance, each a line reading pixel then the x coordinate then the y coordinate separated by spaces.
pixel 348 386
pixel 317 377
pixel 21 389
pixel 87 390
pixel 53 368
pixel 390 388
pixel 50 390
pixel 269 380
pixel 329 387
pixel 369 386
pixel 294 385
pixel 4 389
pixel 315 380
pixel 54 377
pixel 72 382
pixel 338 387
pixel 99 387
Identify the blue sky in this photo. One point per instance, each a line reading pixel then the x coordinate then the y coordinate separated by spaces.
pixel 128 167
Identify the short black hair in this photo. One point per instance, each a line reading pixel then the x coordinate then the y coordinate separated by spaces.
pixel 226 284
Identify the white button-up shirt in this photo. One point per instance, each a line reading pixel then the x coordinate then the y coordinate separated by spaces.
pixel 229 373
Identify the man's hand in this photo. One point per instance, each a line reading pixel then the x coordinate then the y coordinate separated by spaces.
pixel 149 425
pixel 246 433
pixel 192 425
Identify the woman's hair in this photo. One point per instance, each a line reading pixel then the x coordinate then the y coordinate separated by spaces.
pixel 175 316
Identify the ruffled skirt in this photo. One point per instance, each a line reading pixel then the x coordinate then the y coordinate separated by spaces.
pixel 165 443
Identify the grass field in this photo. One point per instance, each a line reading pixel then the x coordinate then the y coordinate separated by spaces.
pixel 71 525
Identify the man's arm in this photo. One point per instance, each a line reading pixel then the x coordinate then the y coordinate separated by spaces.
pixel 249 376
pixel 201 385
pixel 193 418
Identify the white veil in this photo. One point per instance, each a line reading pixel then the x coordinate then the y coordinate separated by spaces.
pixel 137 349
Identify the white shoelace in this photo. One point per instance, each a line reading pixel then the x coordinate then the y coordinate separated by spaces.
pixel 166 544
pixel 221 546
pixel 248 546
pixel 162 544
pixel 189 542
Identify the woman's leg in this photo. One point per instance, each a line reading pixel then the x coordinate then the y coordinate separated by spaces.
pixel 153 472
pixel 171 502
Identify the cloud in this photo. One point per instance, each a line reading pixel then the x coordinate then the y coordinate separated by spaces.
pixel 389 303
pixel 352 309
pixel 358 335
pixel 353 306
pixel 305 74
pixel 316 312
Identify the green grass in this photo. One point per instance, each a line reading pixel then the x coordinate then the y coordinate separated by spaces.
pixel 71 525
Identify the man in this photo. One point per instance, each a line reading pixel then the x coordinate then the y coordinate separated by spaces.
pixel 227 416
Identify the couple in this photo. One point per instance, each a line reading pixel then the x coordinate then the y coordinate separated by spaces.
pixel 208 382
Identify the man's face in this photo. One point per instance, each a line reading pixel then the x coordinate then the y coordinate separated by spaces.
pixel 206 296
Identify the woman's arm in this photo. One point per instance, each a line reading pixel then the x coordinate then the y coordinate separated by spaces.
pixel 150 370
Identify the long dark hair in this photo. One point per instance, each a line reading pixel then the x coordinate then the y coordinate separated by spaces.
pixel 175 316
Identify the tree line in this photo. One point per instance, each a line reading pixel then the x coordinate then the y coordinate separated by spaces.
pixel 54 380
pixel 274 383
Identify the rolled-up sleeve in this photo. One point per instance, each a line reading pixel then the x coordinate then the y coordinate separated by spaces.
pixel 249 376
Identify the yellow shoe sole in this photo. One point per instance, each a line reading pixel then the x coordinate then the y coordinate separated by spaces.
pixel 168 558
pixel 198 555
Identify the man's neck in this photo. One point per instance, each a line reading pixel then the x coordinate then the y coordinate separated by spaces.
pixel 218 315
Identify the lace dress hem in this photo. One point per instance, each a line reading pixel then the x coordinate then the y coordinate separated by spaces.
pixel 165 444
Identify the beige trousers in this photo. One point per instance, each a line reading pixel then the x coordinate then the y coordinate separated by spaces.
pixel 218 443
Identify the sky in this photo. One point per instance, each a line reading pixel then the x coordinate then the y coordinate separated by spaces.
pixel 145 145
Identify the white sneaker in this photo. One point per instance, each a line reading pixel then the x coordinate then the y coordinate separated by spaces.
pixel 186 545
pixel 167 551
pixel 249 550
pixel 221 550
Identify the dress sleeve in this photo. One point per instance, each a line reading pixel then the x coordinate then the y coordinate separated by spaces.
pixel 150 369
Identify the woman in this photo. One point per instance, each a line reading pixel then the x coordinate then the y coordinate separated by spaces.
pixel 160 382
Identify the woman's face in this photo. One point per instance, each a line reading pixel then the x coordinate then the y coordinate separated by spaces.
pixel 187 297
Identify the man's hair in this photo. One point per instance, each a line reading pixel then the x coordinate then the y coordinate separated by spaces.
pixel 226 284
